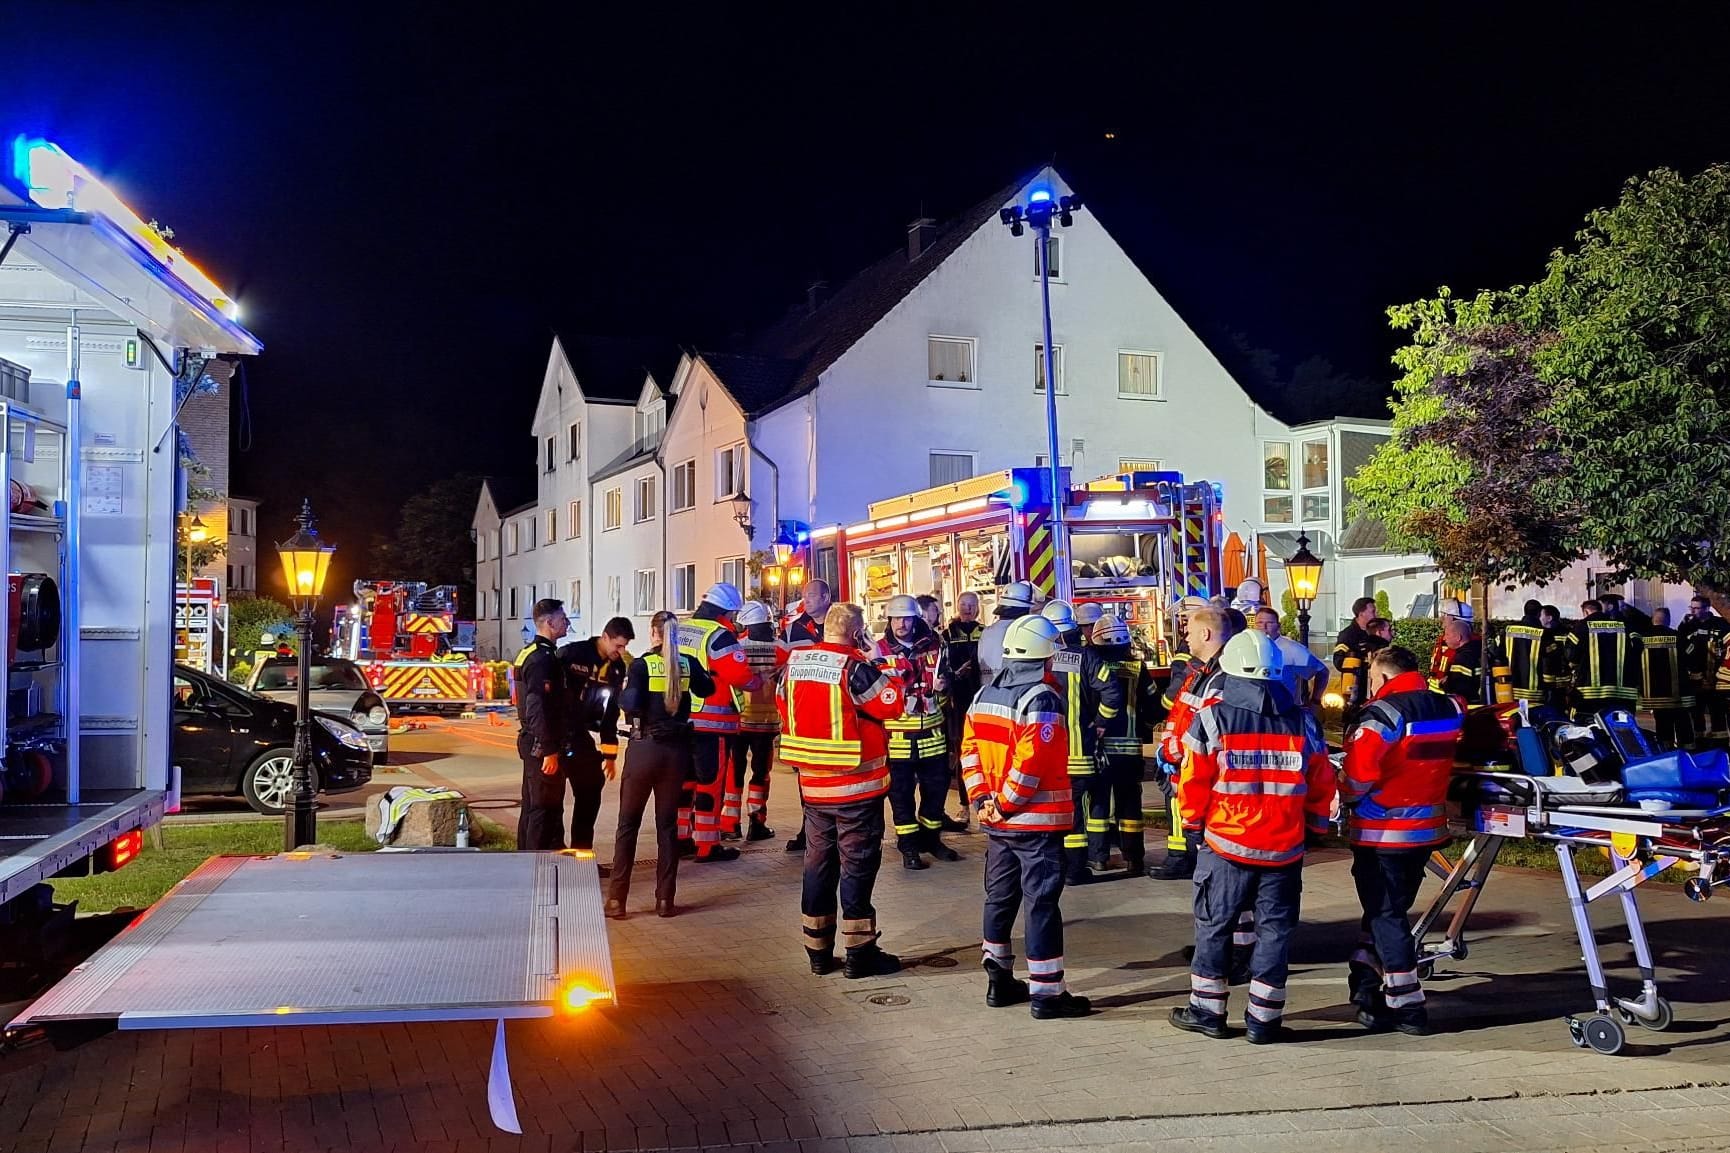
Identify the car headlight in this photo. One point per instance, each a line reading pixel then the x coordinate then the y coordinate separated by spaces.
pixel 347 735
pixel 378 716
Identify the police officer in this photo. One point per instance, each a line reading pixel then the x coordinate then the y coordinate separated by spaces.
pixel 542 707
pixel 594 678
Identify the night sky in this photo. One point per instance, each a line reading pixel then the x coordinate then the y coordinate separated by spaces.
pixel 407 205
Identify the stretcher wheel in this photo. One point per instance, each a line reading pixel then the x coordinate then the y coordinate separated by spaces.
pixel 1665 1018
pixel 1697 889
pixel 1603 1034
pixel 1426 970
pixel 1461 952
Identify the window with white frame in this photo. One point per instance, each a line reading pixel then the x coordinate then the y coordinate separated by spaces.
pixel 528 533
pixel 574 520
pixel 1039 368
pixel 552 525
pixel 512 543
pixel 513 602
pixel 684 486
pixel 550 443
pixel 612 509
pixel 576 602
pixel 949 467
pixel 644 507
pixel 1139 464
pixel 646 424
pixel 613 594
pixel 1276 482
pixel 644 585
pixel 950 360
pixel 1053 256
pixel 1137 375
pixel 684 587
pixel 731 570
pixel 552 589
pixel 575 443
pixel 1316 498
pixel 729 472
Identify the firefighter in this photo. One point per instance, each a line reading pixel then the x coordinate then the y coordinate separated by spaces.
pixel 594 678
pixel 1352 649
pixel 1118 685
pixel 754 746
pixel 1015 754
pixel 657 704
pixel 1602 662
pixel 807 627
pixel 918 746
pixel 542 712
pixel 1662 687
pixel 1464 675
pixel 1068 675
pixel 962 636
pixel 1703 644
pixel 1557 662
pixel 1206 634
pixel 1088 614
pixel 833 703
pixel 1016 600
pixel 1395 786
pixel 1257 785
pixel 1528 644
pixel 708 639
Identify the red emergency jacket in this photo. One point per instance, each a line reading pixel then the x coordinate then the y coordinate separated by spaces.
pixel 919 731
pixel 1398 763
pixel 1015 748
pixel 1257 776
pixel 713 644
pixel 833 704
pixel 1185 696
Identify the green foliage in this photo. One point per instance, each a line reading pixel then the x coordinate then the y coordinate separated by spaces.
pixel 1384 608
pixel 248 621
pixel 1288 622
pixel 432 538
pixel 1418 635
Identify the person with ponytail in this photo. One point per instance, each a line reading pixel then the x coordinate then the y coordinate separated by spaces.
pixel 658 760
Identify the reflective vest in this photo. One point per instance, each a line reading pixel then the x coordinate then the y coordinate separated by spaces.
pixel 1399 761
pixel 1015 748
pixel 1254 781
pixel 1661 683
pixel 757 710
pixel 1126 675
pixel 1072 671
pixel 1187 698
pixel 1526 645
pixel 654 719
pixel 832 708
pixel 1602 664
pixel 919 731
pixel 713 645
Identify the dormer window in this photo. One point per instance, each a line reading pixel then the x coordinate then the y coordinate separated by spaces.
pixel 648 423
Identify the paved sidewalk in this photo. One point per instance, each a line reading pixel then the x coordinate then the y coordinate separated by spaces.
pixel 723 1038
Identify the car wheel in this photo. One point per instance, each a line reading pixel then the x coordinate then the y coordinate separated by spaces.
pixel 269 782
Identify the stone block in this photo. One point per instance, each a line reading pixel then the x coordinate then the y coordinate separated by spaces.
pixel 427 823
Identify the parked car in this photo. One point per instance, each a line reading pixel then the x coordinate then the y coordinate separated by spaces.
pixel 228 740
pixel 338 686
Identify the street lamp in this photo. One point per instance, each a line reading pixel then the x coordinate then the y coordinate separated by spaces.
pixel 742 514
pixel 1038 211
pixel 1303 570
pixel 784 546
pixel 305 564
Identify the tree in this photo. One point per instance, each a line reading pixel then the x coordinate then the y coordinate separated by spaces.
pixel 432 538
pixel 248 621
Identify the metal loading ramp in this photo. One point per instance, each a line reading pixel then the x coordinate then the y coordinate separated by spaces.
pixel 332 939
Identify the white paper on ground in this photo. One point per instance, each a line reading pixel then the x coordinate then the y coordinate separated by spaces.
pixel 501 1102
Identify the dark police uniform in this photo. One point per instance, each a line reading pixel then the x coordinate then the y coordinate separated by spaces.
pixel 593 685
pixel 542 707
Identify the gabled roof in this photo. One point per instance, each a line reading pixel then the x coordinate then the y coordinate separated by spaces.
pixel 756 383
pixel 509 493
pixel 610 369
pixel 633 456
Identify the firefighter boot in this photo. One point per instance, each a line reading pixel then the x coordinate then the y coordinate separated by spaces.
pixel 1061 1006
pixel 1176 866
pixel 870 961
pixel 912 861
pixel 1075 866
pixel 822 961
pixel 759 831
pixel 797 844
pixel 935 846
pixel 1003 987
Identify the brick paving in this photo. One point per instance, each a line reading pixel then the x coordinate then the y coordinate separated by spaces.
pixel 723 1039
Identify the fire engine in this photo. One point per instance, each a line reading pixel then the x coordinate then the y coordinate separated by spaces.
pixel 400 633
pixel 1137 543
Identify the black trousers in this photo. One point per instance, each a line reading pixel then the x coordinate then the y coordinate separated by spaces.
pixel 1709 710
pixel 1224 889
pixel 587 779
pixel 1116 797
pixel 1026 868
pixel 843 851
pixel 658 769
pixel 916 828
pixel 541 824
pixel 1083 787
pixel 955 728
pixel 1384 969
pixel 1675 727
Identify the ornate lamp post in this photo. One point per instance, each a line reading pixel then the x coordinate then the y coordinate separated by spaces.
pixel 1303 571
pixel 305 564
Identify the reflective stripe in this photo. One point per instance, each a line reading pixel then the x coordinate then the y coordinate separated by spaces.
pixel 1260 856
pixel 999 952
pixel 1261 788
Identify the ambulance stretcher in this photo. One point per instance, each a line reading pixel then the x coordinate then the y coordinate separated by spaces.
pixel 1637 821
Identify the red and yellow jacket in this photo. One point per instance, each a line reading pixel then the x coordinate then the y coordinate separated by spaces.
pixel 758 710
pixel 1398 763
pixel 713 644
pixel 833 704
pixel 919 731
pixel 1257 777
pixel 1015 748
pixel 1187 693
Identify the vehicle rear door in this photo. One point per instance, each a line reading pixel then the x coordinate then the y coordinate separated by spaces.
pixel 203 744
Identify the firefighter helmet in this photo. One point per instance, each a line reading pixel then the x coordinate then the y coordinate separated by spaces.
pixel 1060 613
pixel 1110 631
pixel 1030 638
pixel 752 613
pixel 1016 595
pixel 724 597
pixel 902 605
pixel 1087 614
pixel 1253 656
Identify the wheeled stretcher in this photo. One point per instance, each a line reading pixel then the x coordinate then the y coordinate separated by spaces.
pixel 1600 787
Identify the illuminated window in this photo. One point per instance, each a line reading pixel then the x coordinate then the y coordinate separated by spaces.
pixel 1137 376
pixel 1039 368
pixel 950 360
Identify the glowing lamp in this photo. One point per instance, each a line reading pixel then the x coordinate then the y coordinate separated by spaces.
pixel 795 576
pixel 783 546
pixel 1333 701
pixel 1304 572
pixel 577 997
pixel 772 576
pixel 1016 494
pixel 305 559
pixel 1039 196
pixel 196 532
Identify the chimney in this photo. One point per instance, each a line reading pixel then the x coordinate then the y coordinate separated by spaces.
pixel 816 294
pixel 920 234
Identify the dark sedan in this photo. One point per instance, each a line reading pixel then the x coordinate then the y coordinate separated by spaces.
pixel 228 741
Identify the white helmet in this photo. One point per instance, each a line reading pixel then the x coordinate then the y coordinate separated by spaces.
pixel 902 605
pixel 1030 638
pixel 1110 631
pixel 1017 595
pixel 752 613
pixel 268 640
pixel 1087 614
pixel 1253 656
pixel 724 597
pixel 1060 613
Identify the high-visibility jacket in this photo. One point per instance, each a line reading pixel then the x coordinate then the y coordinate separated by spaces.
pixel 1399 761
pixel 1602 665
pixel 758 712
pixel 1352 651
pixel 1661 683
pixel 1015 749
pixel 1528 645
pixel 919 731
pixel 833 704
pixel 1074 671
pixel 1118 685
pixel 1703 645
pixel 712 644
pixel 1185 698
pixel 644 698
pixel 1257 775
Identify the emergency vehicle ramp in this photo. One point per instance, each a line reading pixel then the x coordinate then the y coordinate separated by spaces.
pixel 331 939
